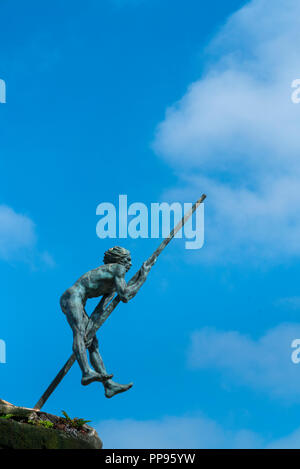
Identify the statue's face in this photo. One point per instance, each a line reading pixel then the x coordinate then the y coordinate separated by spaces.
pixel 127 263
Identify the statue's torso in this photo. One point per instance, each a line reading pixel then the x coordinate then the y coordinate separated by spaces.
pixel 95 283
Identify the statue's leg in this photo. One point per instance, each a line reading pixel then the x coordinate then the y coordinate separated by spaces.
pixel 77 318
pixel 96 359
pixel 111 388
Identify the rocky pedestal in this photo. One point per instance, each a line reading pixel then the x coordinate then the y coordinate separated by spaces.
pixel 23 428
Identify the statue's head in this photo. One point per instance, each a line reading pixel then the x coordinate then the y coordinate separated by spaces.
pixel 118 255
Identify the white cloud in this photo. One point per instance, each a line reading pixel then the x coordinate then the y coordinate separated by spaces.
pixel 17 233
pixel 18 239
pixel 235 135
pixel 291 441
pixel 173 432
pixel 264 364
pixel 185 433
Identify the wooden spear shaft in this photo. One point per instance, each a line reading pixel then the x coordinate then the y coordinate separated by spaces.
pixel 114 303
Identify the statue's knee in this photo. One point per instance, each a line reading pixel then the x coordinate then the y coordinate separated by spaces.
pixel 78 337
pixel 94 345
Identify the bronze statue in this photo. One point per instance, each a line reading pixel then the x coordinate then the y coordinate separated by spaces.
pixel 106 281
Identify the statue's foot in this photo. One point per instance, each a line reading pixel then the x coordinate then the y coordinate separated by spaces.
pixel 112 388
pixel 93 376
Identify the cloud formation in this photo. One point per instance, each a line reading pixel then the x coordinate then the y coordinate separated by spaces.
pixel 291 441
pixel 18 239
pixel 17 233
pixel 173 432
pixel 186 433
pixel 264 364
pixel 235 135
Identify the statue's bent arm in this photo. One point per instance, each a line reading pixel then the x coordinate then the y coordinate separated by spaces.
pixel 127 291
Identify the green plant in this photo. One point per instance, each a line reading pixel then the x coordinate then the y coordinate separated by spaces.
pixel 45 423
pixel 67 418
pixel 74 423
pixel 6 416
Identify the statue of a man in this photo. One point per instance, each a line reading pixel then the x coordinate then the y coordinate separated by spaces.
pixel 105 281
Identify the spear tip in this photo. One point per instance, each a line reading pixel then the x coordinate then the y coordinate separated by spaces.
pixel 203 197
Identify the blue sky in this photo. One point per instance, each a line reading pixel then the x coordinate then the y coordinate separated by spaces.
pixel 160 100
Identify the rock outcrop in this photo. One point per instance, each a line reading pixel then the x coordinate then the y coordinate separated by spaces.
pixel 24 428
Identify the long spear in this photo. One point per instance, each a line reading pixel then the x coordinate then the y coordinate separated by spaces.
pixel 93 326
